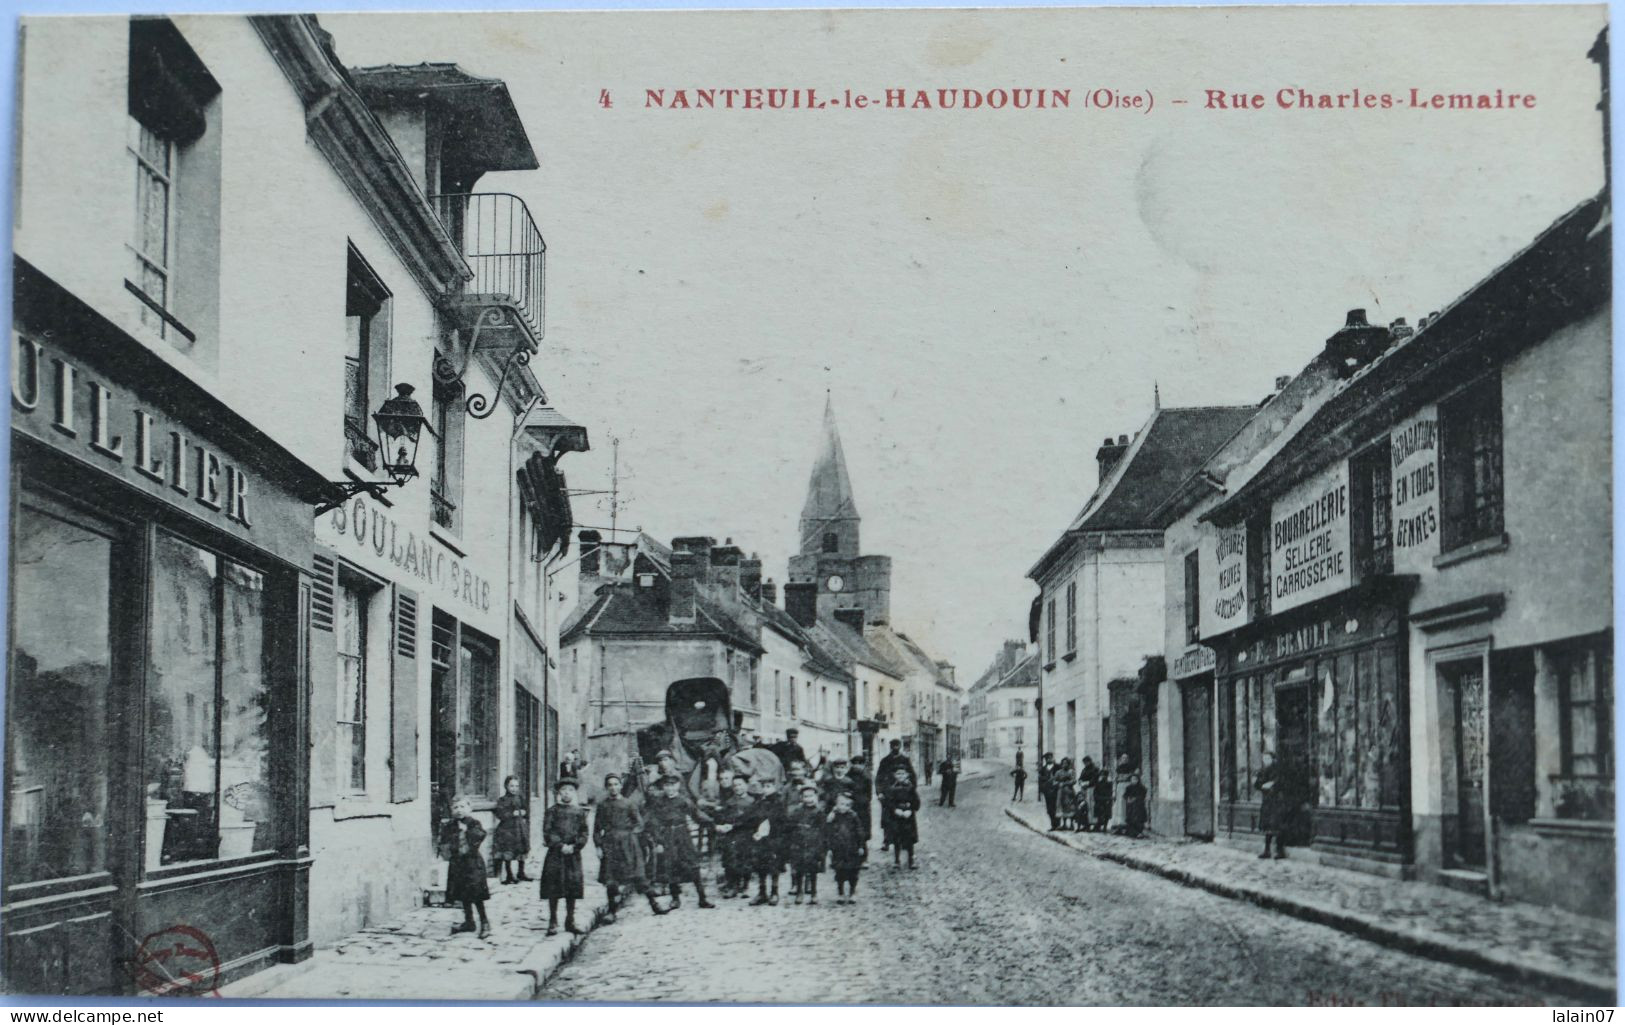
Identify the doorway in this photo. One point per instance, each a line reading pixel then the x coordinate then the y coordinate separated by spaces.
pixel 1197 712
pixel 1464 684
pixel 1294 742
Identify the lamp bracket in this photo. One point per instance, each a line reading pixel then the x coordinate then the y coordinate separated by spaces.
pixel 348 489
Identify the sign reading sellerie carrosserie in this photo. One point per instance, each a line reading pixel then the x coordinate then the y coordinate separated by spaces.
pixel 1309 541
pixel 1414 448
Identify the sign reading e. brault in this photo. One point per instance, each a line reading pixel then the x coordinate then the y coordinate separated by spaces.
pixel 1309 541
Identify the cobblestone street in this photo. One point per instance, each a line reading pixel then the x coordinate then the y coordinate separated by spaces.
pixel 999 914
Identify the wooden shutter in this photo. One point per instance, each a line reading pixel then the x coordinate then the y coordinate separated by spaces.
pixel 403 699
pixel 324 660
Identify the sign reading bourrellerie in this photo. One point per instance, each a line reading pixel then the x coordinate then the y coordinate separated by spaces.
pixel 1309 541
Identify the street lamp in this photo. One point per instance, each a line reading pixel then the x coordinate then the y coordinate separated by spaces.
pixel 400 422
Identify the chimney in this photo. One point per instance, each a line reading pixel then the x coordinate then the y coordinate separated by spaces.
pixel 684 567
pixel 801 601
pixel 1399 329
pixel 700 549
pixel 750 576
pixel 1282 381
pixel 1108 455
pixel 725 568
pixel 1599 54
pixel 851 617
pixel 1356 344
pixel 1013 650
pixel 770 592
pixel 589 576
pixel 947 670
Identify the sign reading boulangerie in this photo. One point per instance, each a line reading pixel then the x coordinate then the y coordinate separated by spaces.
pixel 1309 540
pixel 1414 448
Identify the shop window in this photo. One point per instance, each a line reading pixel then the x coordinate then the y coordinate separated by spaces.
pixel 208 708
pixel 446 475
pixel 174 148
pixel 58 750
pixel 1373 479
pixel 527 725
pixel 1470 466
pixel 351 613
pixel 1584 676
pixel 1193 599
pixel 1072 617
pixel 1049 631
pixel 366 357
pixel 477 699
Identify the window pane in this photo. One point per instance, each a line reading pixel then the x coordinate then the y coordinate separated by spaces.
pixel 350 632
pixel 245 717
pixel 56 739
pixel 182 756
pixel 476 720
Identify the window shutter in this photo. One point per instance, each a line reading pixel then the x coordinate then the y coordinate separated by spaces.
pixel 324 658
pixel 403 700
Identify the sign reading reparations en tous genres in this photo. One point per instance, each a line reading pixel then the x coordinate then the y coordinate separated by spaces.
pixel 1414 449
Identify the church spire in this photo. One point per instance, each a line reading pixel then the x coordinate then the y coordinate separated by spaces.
pixel 829 519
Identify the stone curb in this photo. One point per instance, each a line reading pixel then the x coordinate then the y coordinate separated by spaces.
pixel 1430 945
pixel 547 959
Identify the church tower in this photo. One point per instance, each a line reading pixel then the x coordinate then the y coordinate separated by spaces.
pixel 829 517
pixel 830 555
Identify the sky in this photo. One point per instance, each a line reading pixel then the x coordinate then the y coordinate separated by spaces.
pixel 984 294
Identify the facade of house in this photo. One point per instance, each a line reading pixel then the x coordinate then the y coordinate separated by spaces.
pixel 203 196
pixel 1100 604
pixel 1000 714
pixel 1427 631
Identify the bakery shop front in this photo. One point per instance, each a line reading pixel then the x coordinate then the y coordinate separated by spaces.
pixel 155 835
pixel 1316 677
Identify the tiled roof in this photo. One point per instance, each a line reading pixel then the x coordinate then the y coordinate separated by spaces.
pixel 826 661
pixel 851 646
pixel 1173 444
pixel 623 608
pixel 1025 674
pixel 1171 447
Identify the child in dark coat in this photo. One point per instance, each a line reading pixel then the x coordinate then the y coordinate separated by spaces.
pixel 804 843
pixel 459 841
pixel 843 838
pixel 510 840
pixel 617 831
pixel 1103 800
pixel 763 823
pixel 732 844
pixel 1134 806
pixel 902 802
pixel 564 833
pixel 676 862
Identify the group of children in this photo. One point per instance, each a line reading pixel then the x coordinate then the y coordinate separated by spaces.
pixel 1084 799
pixel 758 827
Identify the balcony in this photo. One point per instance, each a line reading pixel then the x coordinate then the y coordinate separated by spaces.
pixel 508 256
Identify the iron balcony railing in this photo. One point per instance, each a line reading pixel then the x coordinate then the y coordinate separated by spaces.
pixel 503 247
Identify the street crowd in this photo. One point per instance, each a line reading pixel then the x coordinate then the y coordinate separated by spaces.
pixel 1082 798
pixel 751 819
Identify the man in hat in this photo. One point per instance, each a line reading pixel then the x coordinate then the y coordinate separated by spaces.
pixel 1047 788
pixel 789 750
pixel 675 862
pixel 947 782
pixel 890 766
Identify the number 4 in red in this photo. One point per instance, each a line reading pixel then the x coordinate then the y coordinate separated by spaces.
pixel 603 99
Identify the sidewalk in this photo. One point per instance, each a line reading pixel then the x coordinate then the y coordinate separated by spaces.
pixel 1546 946
pixel 416 958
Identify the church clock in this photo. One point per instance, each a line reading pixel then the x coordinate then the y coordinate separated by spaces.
pixel 835 583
